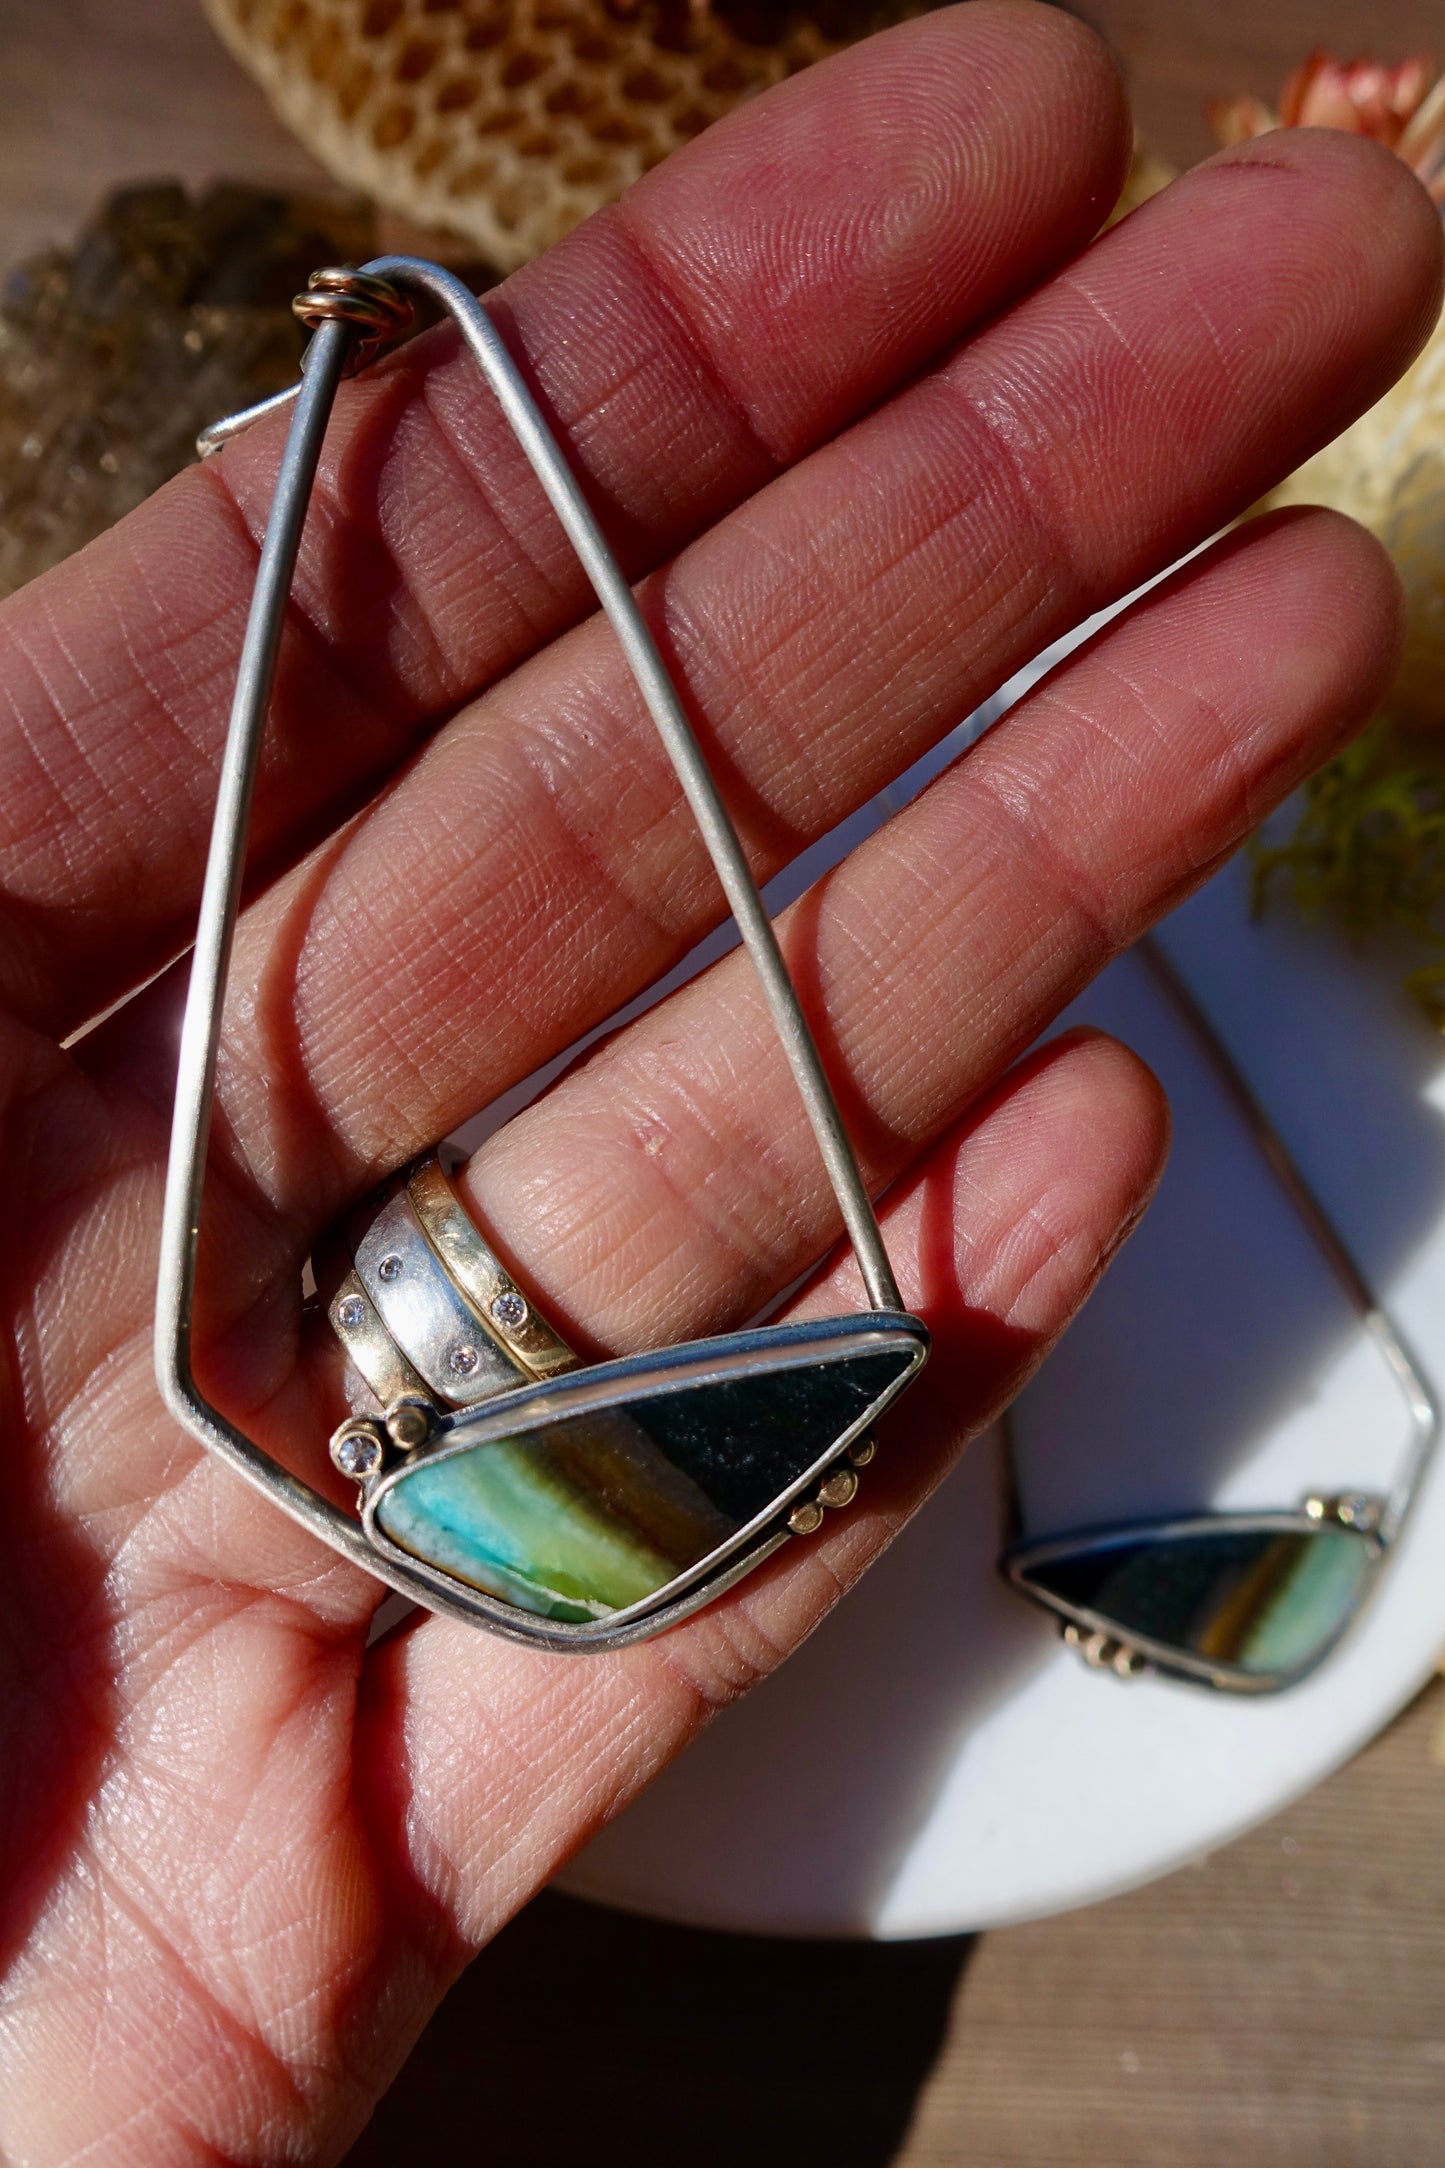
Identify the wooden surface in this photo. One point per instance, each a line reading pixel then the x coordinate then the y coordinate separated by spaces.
pixel 1280 2006
pixel 1283 2005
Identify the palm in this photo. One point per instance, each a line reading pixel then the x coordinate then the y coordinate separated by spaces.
pixel 246 1852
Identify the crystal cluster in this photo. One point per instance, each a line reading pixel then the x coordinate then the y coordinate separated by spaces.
pixel 168 312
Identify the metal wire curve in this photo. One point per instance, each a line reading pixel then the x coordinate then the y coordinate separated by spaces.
pixel 372 306
pixel 351 305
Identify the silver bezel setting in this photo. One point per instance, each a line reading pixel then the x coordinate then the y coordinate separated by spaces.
pixel 765 1349
pixel 1161 1656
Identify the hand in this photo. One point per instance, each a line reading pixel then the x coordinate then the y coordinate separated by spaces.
pixel 871 430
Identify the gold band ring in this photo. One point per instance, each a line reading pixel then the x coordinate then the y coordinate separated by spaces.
pixel 423 1306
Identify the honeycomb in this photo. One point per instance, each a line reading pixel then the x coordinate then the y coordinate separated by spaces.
pixel 505 122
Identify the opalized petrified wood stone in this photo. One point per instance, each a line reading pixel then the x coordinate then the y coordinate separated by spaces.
pixel 1262 1600
pixel 586 1515
pixel 508 1519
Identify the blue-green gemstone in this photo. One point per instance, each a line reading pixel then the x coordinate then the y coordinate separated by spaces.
pixel 589 1514
pixel 1261 1600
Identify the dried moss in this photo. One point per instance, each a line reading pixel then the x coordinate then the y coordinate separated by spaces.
pixel 1369 848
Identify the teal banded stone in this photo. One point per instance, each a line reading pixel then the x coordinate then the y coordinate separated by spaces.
pixel 1260 1600
pixel 588 1514
pixel 505 1518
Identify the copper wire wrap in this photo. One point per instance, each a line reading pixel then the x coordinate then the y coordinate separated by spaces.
pixel 373 307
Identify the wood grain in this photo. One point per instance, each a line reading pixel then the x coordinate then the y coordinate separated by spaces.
pixel 1281 2005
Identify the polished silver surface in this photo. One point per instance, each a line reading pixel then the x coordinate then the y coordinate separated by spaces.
pixel 421 1307
pixel 668 715
pixel 326 361
pixel 477 1270
pixel 215 932
pixel 216 435
pixel 660 696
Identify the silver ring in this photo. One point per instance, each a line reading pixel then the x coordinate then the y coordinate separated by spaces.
pixel 423 1306
pixel 444 1339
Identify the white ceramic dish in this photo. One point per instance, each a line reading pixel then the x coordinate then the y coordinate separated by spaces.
pixel 935 1760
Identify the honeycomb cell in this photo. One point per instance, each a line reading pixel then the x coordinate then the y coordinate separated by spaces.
pixel 644 86
pixel 591 92
pixel 586 173
pixel 354 88
pixel 381 16
pixel 431 155
pixel 522 68
pixel 295 21
pixel 325 54
pixel 392 126
pixel 415 61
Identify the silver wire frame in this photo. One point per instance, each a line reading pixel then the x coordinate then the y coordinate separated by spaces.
pixel 326 360
pixel 1424 1409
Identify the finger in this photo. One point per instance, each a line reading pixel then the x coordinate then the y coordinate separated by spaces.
pixel 538 867
pixel 492 1766
pixel 238 1712
pixel 672 1183
pixel 863 214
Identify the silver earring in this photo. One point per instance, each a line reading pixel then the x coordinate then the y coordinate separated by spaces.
pixel 500 1480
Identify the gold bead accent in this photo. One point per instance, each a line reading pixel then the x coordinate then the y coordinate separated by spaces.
pixel 409 1420
pixel 838 1489
pixel 862 1450
pixel 804 1519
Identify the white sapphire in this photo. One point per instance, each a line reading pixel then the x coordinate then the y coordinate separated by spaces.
pixel 357 1456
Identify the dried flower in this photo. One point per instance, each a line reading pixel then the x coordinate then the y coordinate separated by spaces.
pixel 1402 107
pixel 1370 843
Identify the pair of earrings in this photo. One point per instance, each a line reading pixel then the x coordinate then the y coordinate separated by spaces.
pixel 582 1507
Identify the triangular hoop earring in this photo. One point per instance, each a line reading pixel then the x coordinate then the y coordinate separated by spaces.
pixel 1242 1602
pixel 501 1482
